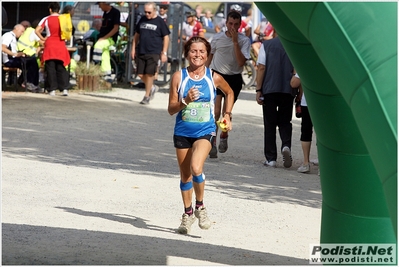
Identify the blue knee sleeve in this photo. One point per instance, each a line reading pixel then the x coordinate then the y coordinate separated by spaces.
pixel 186 186
pixel 199 179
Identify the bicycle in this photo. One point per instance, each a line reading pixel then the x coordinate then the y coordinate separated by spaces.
pixel 249 72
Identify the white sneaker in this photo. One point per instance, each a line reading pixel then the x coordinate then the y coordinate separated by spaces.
pixel 287 158
pixel 315 162
pixel 304 168
pixel 203 220
pixel 65 92
pixel 271 163
pixel 186 222
pixel 51 93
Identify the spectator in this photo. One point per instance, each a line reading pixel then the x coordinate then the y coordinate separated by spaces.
pixel 206 20
pixel 71 10
pixel 14 59
pixel 264 31
pixel 248 21
pixel 106 38
pixel 230 51
pixel 306 126
pixel 29 42
pixel 151 41
pixel 193 88
pixel 25 23
pixel 94 31
pixel 31 45
pixel 221 26
pixel 198 12
pixel 163 12
pixel 55 55
pixel 137 16
pixel 191 27
pixel 273 84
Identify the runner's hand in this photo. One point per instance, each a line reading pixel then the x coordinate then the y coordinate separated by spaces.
pixel 234 35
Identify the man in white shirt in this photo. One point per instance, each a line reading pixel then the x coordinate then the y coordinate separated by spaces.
pixel 15 59
pixel 229 52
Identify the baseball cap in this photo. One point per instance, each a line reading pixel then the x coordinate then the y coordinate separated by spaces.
pixel 164 4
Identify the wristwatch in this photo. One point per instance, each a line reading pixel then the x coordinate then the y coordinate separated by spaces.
pixel 164 53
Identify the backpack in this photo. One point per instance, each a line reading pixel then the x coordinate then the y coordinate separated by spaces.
pixel 65 26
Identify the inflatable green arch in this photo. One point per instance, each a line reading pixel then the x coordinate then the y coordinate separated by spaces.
pixel 346 56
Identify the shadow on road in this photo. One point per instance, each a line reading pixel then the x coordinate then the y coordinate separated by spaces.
pixel 83 247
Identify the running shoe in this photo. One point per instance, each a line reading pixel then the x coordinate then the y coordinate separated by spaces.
pixel 213 154
pixel 203 220
pixel 65 92
pixel 223 146
pixel 145 101
pixel 154 89
pixel 186 222
pixel 287 158
pixel 304 168
pixel 271 163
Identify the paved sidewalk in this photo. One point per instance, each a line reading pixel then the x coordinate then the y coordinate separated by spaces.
pixel 92 179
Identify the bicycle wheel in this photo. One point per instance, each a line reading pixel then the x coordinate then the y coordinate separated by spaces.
pixel 114 71
pixel 248 74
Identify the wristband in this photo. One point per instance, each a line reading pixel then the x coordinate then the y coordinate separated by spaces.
pixel 258 90
pixel 184 102
pixel 164 53
pixel 227 113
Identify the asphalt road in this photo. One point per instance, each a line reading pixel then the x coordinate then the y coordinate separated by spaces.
pixel 93 180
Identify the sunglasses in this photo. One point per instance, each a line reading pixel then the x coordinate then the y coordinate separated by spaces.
pixel 148 12
pixel 163 7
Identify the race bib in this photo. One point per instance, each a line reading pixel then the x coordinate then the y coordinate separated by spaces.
pixel 197 112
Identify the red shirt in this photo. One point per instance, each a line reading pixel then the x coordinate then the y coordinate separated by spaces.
pixel 242 27
pixel 54 46
pixel 191 31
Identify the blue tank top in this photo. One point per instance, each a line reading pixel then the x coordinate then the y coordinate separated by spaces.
pixel 197 118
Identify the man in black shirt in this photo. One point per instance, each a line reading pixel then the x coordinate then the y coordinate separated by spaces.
pixel 150 45
pixel 107 37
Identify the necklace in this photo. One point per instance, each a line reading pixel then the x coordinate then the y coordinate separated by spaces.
pixel 196 76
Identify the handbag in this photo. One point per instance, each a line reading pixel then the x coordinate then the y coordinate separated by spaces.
pixel 65 26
